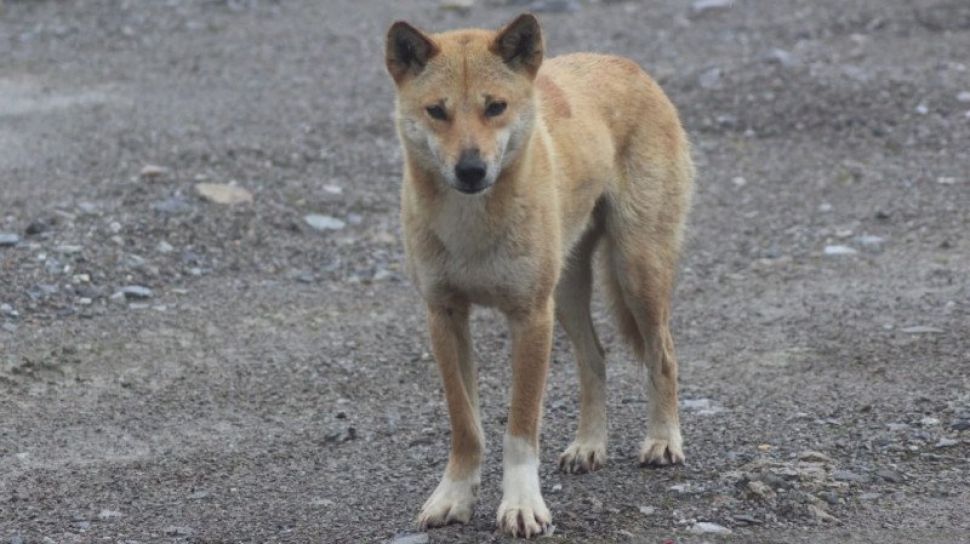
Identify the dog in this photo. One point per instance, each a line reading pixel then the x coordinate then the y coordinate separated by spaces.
pixel 515 170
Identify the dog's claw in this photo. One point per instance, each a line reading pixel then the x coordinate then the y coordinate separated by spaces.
pixel 658 452
pixel 580 458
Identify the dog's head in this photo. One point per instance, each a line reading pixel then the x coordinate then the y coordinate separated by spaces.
pixel 464 99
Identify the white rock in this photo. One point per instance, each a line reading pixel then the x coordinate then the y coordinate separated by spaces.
pixel 647 510
pixel 108 514
pixel 707 528
pixel 703 6
pixel 946 180
pixel 870 240
pixel 739 181
pixel 164 247
pixel 782 57
pixel 929 421
pixel 333 189
pixel 921 329
pixel 324 222
pixel 839 250
pixel 221 193
pixel 946 442
pixel 922 109
pixel 416 538
pixel 964 96
pixel 151 171
pixel 825 207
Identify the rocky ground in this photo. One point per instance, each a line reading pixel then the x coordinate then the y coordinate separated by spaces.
pixel 205 335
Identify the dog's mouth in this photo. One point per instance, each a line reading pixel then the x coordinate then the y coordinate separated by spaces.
pixel 472 188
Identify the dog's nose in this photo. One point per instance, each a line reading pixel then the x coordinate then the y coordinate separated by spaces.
pixel 470 169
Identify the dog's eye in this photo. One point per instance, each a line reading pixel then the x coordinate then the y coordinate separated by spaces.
pixel 495 109
pixel 437 112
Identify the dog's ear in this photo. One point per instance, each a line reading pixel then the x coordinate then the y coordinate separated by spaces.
pixel 519 44
pixel 408 51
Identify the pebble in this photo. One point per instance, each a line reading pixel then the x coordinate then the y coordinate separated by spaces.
pixel 164 247
pixel 221 193
pixel 108 514
pixel 9 240
pixel 647 510
pixel 554 6
pixel 946 180
pixel 921 329
pixel 173 205
pixel 706 527
pixel 67 249
pixel 782 57
pixel 847 476
pixel 820 514
pixel 152 171
pixel 414 538
pixel 324 222
pixel 839 250
pixel 36 227
pixel 174 530
pixel 890 476
pixel 133 292
pixel 963 96
pixel 922 109
pixel 961 425
pixel 946 442
pixel 814 457
pixel 557 488
pixel 8 310
pixel 16 539
pixel 929 421
pixel 869 240
pixel 709 78
pixel 830 497
pixel 739 181
pixel 700 7
pixel 825 207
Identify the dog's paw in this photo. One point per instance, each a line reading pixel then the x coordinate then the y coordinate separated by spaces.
pixel 526 517
pixel 583 457
pixel 659 452
pixel 451 502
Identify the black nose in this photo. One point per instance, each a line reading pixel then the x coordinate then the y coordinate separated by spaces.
pixel 470 171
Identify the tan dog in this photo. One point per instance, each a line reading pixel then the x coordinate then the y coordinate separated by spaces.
pixel 515 170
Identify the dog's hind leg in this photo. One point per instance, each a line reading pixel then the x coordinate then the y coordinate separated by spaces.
pixel 588 451
pixel 454 498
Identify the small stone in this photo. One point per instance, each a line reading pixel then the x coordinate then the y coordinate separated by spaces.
pixel 929 421
pixel 946 180
pixel 961 425
pixel 221 193
pixel 8 310
pixel 557 488
pixel 739 181
pixel 108 514
pixel 17 539
pixel 67 249
pixel 706 528
pixel 946 442
pixel 870 240
pixel 922 109
pixel 760 490
pixel 152 171
pixel 765 448
pixel 173 205
pixel 700 7
pixel 36 227
pixel 825 207
pixel 461 6
pixel 333 189
pixel 847 476
pixel 647 510
pixel 921 329
pixel 830 497
pixel 820 514
pixel 896 427
pixel 782 57
pixel 746 519
pixel 837 250
pixel 175 530
pixel 890 476
pixel 814 457
pixel 9 239
pixel 709 78
pixel 413 538
pixel 164 247
pixel 324 222
pixel 133 292
pixel 963 96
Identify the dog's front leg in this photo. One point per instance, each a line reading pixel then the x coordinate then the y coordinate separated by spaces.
pixel 522 511
pixel 454 498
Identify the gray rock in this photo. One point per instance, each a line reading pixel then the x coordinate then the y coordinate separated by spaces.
pixel 413 538
pixel 647 510
pixel 782 57
pixel 172 206
pixel 9 239
pixel 133 292
pixel 324 222
pixel 946 442
pixel 68 249
pixel 700 7
pixel 814 457
pixel 830 497
pixel 16 539
pixel 710 78
pixel 847 476
pixel 820 514
pixel 921 329
pixel 175 530
pixel 836 250
pixel 961 425
pixel 708 528
pixel 964 96
pixel 890 476
pixel 8 310
pixel 164 247
pixel 870 240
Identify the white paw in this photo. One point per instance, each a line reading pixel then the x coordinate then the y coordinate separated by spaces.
pixel 451 502
pixel 663 450
pixel 583 456
pixel 524 516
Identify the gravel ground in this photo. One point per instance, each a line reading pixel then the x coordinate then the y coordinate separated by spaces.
pixel 174 369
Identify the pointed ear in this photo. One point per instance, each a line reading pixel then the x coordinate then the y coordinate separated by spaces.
pixel 408 51
pixel 520 44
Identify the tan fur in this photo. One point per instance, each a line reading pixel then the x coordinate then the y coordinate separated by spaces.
pixel 588 153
